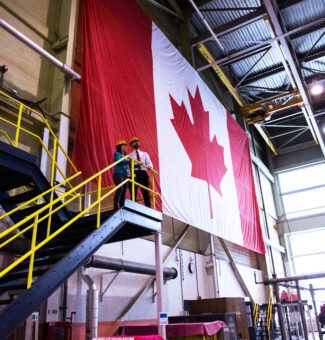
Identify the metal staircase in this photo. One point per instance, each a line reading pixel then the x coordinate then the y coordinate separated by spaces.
pixel 57 240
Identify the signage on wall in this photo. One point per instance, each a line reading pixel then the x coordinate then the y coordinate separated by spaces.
pixel 163 318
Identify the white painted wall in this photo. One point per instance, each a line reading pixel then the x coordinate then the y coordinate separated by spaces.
pixel 127 285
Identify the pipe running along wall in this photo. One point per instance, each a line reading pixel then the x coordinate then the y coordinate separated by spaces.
pixel 103 262
pixel 17 34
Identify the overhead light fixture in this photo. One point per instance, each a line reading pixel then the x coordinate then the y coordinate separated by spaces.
pixel 316 89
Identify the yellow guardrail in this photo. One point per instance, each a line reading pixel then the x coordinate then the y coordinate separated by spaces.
pixel 269 315
pixel 256 313
pixel 55 196
pixel 24 110
pixel 55 204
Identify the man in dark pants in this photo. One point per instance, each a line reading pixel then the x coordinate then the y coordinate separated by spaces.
pixel 141 174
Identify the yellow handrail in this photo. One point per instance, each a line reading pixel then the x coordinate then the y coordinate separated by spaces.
pixel 22 108
pixel 269 315
pixel 255 313
pixel 66 197
pixel 2 132
pixel 58 203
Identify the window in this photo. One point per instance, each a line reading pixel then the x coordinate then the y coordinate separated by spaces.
pixel 306 253
pixel 303 190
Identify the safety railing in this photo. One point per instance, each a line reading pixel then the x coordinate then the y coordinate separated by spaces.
pixel 19 129
pixel 256 313
pixel 56 203
pixel 269 315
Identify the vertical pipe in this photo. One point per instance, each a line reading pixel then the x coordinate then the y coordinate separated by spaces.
pixel 280 310
pixel 312 293
pixel 64 306
pixel 302 311
pixel 214 268
pixel 159 283
pixel 91 306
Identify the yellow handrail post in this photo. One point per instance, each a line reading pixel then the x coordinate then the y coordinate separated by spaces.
pixel 99 195
pixel 32 256
pixel 153 189
pixel 132 180
pixel 52 184
pixel 18 124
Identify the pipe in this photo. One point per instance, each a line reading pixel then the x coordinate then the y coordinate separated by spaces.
pixel 91 306
pixel 63 67
pixel 64 306
pixel 294 278
pixel 206 24
pixel 103 262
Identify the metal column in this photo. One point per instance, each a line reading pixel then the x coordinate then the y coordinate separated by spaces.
pixel 214 268
pixel 302 312
pixel 280 310
pixel 159 283
pixel 312 293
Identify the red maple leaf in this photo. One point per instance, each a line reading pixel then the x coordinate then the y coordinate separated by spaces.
pixel 207 156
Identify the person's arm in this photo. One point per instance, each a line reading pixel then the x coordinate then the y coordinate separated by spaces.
pixel 148 162
pixel 118 156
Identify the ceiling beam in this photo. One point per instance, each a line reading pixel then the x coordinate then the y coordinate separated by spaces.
pixel 273 13
pixel 164 8
pixel 247 52
pixel 230 27
pixel 277 69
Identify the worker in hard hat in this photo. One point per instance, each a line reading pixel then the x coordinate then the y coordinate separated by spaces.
pixel 121 173
pixel 141 174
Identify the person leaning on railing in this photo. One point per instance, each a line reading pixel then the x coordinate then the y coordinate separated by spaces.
pixel 140 170
pixel 121 173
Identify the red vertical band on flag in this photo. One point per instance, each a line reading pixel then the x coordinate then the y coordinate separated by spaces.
pixel 244 181
pixel 117 95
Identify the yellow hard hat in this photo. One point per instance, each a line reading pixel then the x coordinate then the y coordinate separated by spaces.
pixel 121 142
pixel 134 139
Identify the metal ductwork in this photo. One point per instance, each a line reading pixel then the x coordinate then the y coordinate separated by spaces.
pixel 103 262
pixel 91 306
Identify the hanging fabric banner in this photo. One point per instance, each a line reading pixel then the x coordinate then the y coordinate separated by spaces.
pixel 136 83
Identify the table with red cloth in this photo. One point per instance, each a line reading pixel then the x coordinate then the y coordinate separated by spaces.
pixel 130 337
pixel 178 329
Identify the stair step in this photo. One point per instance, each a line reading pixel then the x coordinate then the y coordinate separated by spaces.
pixel 22 213
pixel 53 250
pixel 13 182
pixel 20 198
pixel 13 285
pixel 21 274
pixel 41 261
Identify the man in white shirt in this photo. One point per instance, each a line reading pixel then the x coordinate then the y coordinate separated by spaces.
pixel 141 174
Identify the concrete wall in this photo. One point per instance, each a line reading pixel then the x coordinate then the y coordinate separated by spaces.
pixel 28 72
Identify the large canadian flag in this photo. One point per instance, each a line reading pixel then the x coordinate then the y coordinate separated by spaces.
pixel 135 82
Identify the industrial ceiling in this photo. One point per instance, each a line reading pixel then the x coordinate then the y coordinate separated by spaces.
pixel 270 55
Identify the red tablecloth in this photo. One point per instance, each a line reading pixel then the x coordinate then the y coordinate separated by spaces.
pixel 177 329
pixel 129 337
